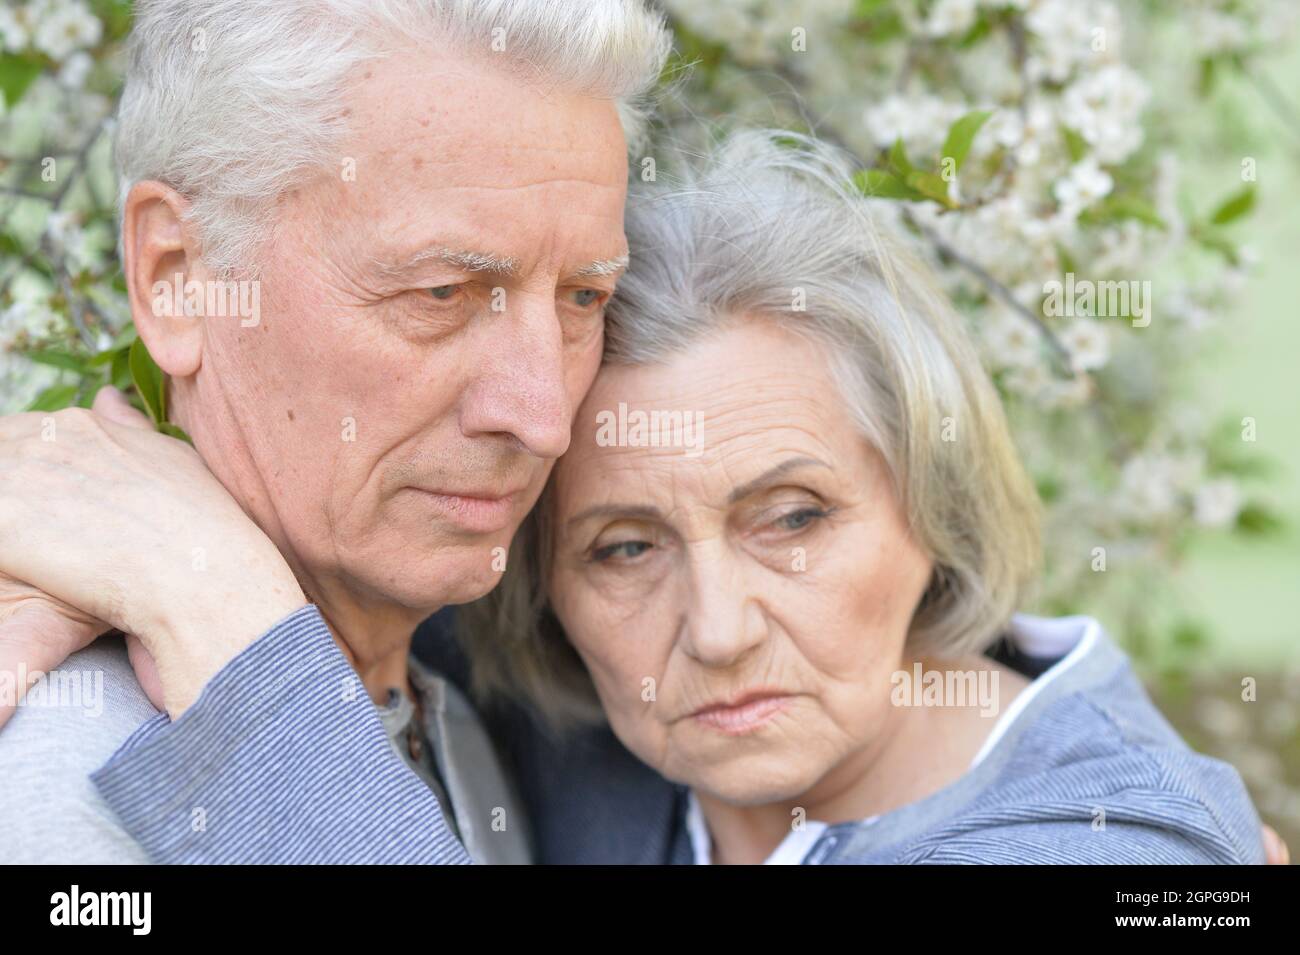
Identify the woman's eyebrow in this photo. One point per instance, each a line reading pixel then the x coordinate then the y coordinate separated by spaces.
pixel 768 477
pixel 616 510
pixel 772 475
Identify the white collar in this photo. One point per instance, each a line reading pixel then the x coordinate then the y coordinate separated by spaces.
pixel 1069 638
pixel 792 850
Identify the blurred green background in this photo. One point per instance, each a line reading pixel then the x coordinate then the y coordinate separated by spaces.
pixel 1248 589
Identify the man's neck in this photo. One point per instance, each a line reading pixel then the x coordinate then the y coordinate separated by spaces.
pixel 374 636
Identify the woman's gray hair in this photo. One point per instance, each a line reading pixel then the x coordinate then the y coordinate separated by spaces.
pixel 768 224
pixel 232 102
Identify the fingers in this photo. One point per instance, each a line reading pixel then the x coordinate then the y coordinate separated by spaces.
pixel 34 640
pixel 146 671
pixel 112 404
pixel 1275 850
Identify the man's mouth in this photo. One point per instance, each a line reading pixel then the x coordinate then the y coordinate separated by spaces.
pixel 477 511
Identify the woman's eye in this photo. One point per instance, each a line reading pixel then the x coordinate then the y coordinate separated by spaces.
pixel 627 550
pixel 587 297
pixel 444 293
pixel 797 520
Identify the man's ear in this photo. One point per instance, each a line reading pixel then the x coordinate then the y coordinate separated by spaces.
pixel 159 256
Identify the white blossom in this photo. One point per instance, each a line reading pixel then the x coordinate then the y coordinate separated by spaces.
pixel 1088 343
pixel 66 27
pixel 1086 183
pixel 1153 485
pixel 17 24
pixel 75 69
pixel 1217 503
pixel 1010 341
pixel 951 17
pixel 1105 107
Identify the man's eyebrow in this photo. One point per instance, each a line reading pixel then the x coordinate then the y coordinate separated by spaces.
pixel 503 265
pixel 467 260
pixel 604 266
pixel 772 475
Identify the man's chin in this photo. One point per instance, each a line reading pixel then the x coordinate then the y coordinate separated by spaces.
pixel 456 579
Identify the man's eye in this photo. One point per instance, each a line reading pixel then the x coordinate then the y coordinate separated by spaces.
pixel 587 297
pixel 624 549
pixel 444 293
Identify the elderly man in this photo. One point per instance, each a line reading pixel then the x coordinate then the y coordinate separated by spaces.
pixel 431 200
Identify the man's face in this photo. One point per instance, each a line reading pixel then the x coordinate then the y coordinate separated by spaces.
pixel 428 326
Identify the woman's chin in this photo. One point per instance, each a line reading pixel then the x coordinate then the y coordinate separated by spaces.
pixel 752 780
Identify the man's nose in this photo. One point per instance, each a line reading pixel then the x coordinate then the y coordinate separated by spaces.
pixel 724 616
pixel 522 390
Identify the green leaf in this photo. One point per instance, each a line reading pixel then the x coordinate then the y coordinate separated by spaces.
pixel 898 159
pixel 1206 76
pixel 125 338
pixel 16 74
pixel 875 21
pixel 931 186
pixel 1189 635
pixel 54 398
pixel 149 382
pixel 1119 206
pixel 1235 207
pixel 119 375
pixel 1257 519
pixel 10 246
pixel 982 28
pixel 103 358
pixel 882 184
pixel 176 432
pixel 58 358
pixel 1068 263
pixel 1075 144
pixel 1217 243
pixel 116 16
pixel 961 134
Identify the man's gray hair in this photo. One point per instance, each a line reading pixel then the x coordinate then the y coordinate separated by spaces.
pixel 767 225
pixel 231 102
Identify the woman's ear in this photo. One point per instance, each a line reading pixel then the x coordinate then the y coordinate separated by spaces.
pixel 159 257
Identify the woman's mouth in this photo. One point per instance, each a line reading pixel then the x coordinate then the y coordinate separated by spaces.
pixel 749 714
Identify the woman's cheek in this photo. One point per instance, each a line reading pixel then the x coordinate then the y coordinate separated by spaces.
pixel 618 644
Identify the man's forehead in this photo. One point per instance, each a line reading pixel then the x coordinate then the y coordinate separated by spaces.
pixel 501 178
pixel 458 111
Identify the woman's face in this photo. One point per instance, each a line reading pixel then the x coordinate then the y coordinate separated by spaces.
pixel 740 609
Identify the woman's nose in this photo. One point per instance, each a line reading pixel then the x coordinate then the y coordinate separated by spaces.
pixel 724 618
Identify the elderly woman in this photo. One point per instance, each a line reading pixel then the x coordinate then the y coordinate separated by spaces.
pixel 783 554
